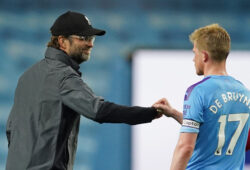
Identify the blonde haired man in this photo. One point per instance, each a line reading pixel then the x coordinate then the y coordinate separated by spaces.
pixel 216 110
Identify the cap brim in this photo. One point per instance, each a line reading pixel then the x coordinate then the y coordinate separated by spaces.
pixel 92 31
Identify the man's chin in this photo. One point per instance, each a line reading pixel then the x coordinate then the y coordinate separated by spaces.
pixel 200 74
pixel 85 57
pixel 81 59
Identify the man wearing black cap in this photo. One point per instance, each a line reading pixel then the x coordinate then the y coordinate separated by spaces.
pixel 50 97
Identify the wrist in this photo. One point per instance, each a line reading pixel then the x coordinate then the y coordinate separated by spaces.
pixel 177 115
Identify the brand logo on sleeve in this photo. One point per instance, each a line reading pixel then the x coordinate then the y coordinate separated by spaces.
pixel 87 20
pixel 186 109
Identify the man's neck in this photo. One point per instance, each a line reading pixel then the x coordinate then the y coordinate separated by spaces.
pixel 215 69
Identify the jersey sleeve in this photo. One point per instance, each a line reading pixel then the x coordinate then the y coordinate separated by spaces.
pixel 192 110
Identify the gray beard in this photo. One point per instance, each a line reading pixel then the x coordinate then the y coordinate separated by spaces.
pixel 80 58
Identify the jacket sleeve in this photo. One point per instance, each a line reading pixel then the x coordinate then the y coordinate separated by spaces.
pixel 79 97
pixel 113 113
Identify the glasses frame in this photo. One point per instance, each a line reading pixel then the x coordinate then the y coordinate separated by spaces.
pixel 84 38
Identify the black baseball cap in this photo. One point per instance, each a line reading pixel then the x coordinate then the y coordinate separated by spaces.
pixel 74 23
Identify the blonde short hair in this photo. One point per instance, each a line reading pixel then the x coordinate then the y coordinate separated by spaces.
pixel 214 39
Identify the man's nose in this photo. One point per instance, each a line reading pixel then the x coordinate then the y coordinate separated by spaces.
pixel 90 43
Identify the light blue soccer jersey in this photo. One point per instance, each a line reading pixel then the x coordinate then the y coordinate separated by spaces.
pixel 217 108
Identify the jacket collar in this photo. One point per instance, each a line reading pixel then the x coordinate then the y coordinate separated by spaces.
pixel 56 54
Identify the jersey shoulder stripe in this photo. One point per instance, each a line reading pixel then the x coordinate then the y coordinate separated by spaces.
pixel 190 89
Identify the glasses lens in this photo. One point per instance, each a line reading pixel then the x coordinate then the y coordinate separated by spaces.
pixel 89 38
pixel 84 38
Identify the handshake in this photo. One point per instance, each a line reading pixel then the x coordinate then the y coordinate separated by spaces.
pixel 163 107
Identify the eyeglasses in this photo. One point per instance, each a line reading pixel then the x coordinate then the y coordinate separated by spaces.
pixel 84 38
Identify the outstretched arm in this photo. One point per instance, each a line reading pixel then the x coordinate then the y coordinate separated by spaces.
pixel 77 96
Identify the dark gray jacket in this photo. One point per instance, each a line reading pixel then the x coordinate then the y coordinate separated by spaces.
pixel 43 125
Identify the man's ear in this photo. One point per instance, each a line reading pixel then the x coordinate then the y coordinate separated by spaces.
pixel 205 56
pixel 61 41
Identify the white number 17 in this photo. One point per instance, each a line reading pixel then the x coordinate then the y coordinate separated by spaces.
pixel 242 118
